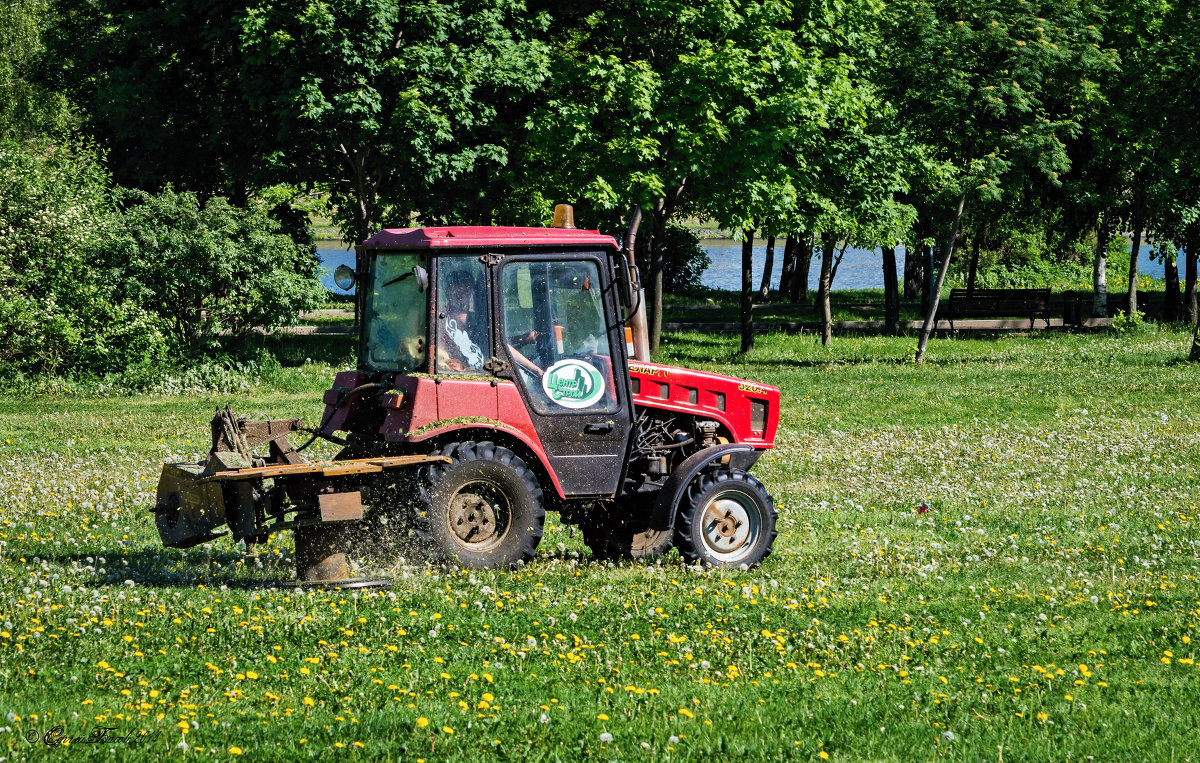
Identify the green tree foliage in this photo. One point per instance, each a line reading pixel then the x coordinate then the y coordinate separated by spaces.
pixel 207 268
pixel 649 99
pixel 27 108
pixel 58 311
pixel 157 84
pixel 392 107
pixel 395 107
pixel 1007 77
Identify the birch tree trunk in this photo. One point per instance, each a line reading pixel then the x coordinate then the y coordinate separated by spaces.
pixel 1135 248
pixel 764 288
pixel 935 296
pixel 1100 267
pixel 828 241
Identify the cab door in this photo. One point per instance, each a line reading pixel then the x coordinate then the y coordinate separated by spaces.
pixel 555 326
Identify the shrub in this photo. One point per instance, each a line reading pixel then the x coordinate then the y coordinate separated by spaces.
pixel 58 312
pixel 684 260
pixel 209 268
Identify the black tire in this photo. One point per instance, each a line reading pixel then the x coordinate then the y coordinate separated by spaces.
pixel 484 508
pixel 726 519
pixel 610 537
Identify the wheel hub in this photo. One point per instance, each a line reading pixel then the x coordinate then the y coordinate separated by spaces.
pixel 728 525
pixel 730 529
pixel 472 518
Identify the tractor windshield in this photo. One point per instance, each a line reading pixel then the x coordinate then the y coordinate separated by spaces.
pixel 396 314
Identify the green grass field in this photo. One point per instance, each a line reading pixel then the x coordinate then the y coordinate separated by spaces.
pixel 1046 607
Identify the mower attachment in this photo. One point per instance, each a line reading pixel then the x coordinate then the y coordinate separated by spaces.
pixel 251 496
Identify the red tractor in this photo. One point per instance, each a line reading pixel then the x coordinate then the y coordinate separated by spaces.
pixel 494 383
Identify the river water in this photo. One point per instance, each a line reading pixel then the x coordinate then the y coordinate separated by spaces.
pixel 860 268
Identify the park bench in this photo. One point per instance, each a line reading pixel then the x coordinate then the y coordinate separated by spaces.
pixel 998 303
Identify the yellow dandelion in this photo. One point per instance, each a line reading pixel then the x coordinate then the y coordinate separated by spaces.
pixel 422 722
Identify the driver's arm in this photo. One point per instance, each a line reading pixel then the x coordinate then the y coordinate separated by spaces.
pixel 523 361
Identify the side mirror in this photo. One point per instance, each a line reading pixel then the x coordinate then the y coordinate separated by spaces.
pixel 344 277
pixel 422 276
pixel 624 282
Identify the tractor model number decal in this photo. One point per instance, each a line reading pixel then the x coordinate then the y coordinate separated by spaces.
pixel 638 368
pixel 751 388
pixel 573 384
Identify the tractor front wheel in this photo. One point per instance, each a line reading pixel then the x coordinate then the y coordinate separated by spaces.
pixel 726 519
pixel 484 508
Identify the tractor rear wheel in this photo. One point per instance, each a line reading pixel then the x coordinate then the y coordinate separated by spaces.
pixel 611 538
pixel 484 508
pixel 726 519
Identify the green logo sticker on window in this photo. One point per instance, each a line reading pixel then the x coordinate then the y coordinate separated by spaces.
pixel 573 384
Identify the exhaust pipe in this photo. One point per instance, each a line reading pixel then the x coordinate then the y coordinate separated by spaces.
pixel 641 335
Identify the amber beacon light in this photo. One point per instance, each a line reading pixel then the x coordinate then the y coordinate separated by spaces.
pixel 564 217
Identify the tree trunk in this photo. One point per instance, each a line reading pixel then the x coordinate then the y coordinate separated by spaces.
pixel 1135 249
pixel 788 271
pixel 935 297
pixel 654 284
pixel 974 265
pixel 664 207
pixel 914 268
pixel 891 292
pixel 764 288
pixel 641 335
pixel 1171 296
pixel 927 277
pixel 804 255
pixel 828 241
pixel 1100 267
pixel 748 291
pixel 837 263
pixel 363 206
pixel 1190 243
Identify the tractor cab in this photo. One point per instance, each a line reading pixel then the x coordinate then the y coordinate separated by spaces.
pixel 503 326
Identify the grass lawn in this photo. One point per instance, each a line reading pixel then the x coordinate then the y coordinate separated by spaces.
pixel 1046 607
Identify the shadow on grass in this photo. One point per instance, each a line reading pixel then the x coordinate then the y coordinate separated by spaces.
pixel 178 568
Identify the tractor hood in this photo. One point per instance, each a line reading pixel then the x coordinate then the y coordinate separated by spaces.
pixel 748 410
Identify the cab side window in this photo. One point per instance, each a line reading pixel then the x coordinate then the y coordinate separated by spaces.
pixel 463 343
